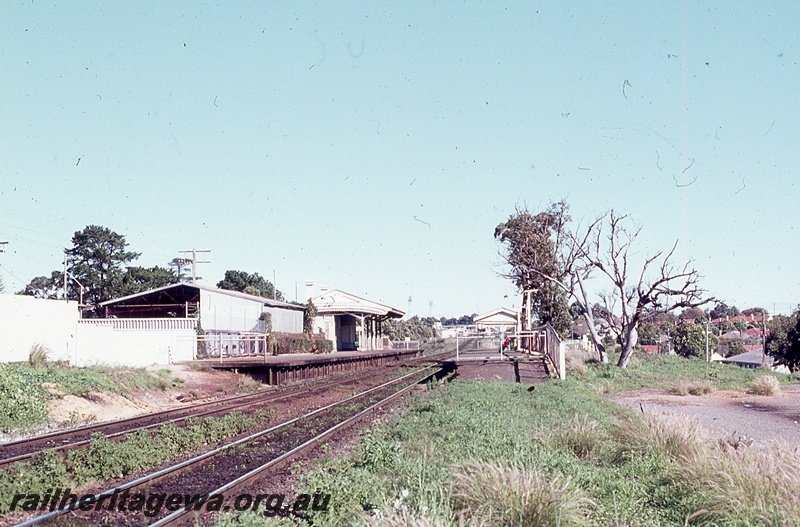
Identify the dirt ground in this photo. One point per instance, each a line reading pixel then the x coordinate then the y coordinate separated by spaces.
pixel 762 419
pixel 94 407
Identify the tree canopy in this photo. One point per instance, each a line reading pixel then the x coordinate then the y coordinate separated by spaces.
pixel 783 341
pixel 690 340
pixel 542 249
pixel 531 244
pixel 721 310
pixel 253 284
pixel 137 279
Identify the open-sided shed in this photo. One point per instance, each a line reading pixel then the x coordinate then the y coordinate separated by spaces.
pixel 218 310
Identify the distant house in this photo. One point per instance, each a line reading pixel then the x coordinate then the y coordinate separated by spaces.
pixel 755 359
pixel 503 320
pixel 351 322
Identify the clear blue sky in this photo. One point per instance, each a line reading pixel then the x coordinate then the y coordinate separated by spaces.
pixel 374 147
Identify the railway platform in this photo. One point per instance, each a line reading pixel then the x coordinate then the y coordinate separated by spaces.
pixel 280 369
pixel 491 365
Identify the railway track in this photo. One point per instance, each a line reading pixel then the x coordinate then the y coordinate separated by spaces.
pixel 26 449
pixel 222 472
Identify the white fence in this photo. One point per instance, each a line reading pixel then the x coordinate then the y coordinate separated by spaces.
pixel 134 341
pixel 55 324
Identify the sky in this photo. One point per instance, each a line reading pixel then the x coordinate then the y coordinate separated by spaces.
pixel 374 148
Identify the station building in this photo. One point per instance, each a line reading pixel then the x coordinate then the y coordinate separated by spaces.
pixel 351 322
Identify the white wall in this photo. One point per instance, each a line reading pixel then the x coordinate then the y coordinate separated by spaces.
pixel 224 313
pixel 286 320
pixel 25 321
pixel 155 341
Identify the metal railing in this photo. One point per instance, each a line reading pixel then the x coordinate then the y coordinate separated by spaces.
pixel 545 341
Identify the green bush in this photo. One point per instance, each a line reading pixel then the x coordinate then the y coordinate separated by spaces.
pixel 22 402
pixel 288 343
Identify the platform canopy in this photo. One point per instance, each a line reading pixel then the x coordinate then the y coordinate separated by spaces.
pixel 338 302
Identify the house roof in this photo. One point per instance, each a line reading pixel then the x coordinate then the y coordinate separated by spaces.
pixel 201 287
pixel 750 357
pixel 340 302
pixel 498 316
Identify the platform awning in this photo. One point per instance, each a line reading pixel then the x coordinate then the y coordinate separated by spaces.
pixel 338 302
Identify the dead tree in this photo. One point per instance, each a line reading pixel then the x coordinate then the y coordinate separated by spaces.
pixel 638 294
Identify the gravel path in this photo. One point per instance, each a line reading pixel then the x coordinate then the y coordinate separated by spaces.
pixel 763 419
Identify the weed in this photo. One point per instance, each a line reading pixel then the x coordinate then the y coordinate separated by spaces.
pixel 104 459
pixel 37 358
pixel 376 450
pixel 581 436
pixel 76 419
pixel 248 384
pixel 749 484
pixel 765 385
pixel 496 494
pixel 675 437
pixel 682 387
pixel 22 402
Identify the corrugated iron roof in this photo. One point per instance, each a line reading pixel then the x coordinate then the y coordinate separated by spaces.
pixel 236 294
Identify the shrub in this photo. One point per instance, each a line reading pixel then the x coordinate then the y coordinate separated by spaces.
pixel 581 436
pixel 22 403
pixel 38 355
pixel 288 343
pixel 676 437
pixel 765 385
pixel 494 494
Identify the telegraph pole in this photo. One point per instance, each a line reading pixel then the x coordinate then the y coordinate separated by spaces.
pixel 195 261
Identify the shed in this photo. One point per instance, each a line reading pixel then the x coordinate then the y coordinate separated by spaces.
pixel 219 311
pixel 351 322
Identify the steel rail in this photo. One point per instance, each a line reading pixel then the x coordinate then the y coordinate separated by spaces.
pixel 197 460
pixel 180 516
pixel 227 404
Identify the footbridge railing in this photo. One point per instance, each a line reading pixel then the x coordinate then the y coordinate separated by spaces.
pixel 544 340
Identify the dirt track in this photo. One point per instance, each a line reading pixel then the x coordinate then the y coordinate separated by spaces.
pixel 764 419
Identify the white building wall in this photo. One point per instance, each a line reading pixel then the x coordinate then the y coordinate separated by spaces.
pixel 224 313
pixel 25 321
pixel 286 320
pixel 327 325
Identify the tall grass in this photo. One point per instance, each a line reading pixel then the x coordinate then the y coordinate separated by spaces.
pixel 748 484
pixel 676 437
pixel 499 494
pixel 765 385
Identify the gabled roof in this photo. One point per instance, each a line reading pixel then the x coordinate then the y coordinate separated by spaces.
pixel 201 287
pixel 497 315
pixel 340 302
pixel 750 357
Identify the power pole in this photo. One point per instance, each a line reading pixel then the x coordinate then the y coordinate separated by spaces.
pixel 763 336
pixel 195 261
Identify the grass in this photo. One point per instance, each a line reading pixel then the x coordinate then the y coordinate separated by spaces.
pixel 26 388
pixel 765 385
pixel 468 453
pixel 670 372
pixel 103 460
